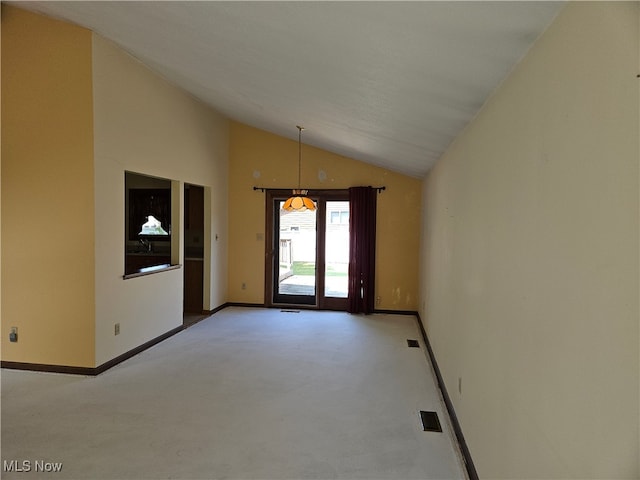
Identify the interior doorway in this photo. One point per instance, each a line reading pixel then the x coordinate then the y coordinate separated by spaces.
pixel 307 257
pixel 193 252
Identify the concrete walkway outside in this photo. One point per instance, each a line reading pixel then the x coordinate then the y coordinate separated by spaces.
pixel 305 285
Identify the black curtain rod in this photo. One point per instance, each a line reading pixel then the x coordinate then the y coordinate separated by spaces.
pixel 263 189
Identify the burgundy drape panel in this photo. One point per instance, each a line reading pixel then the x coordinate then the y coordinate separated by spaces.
pixel 362 249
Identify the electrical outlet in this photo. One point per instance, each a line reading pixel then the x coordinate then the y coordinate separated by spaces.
pixel 116 329
pixel 378 300
pixel 244 286
pixel 13 335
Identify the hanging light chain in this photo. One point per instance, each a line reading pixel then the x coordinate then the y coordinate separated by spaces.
pixel 300 129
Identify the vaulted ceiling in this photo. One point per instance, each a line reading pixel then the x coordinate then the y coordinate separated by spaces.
pixel 388 83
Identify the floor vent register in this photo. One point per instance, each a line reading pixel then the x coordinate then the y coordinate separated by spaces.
pixel 430 422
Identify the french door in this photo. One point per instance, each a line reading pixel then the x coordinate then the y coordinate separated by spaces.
pixel 307 253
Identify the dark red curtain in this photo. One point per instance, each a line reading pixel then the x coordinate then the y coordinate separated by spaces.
pixel 362 249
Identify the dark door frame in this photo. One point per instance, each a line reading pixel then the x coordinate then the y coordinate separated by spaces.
pixel 320 197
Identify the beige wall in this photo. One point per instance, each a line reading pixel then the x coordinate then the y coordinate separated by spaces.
pixel 254 152
pixel 529 270
pixel 77 112
pixel 145 125
pixel 47 191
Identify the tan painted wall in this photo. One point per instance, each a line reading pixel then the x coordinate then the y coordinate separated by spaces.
pixel 145 125
pixel 530 251
pixel 47 191
pixel 275 159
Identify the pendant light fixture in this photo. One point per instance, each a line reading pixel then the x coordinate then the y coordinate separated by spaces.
pixel 299 201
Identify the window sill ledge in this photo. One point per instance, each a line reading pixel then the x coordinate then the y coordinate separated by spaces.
pixel 151 270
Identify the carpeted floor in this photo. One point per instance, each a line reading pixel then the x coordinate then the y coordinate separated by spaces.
pixel 245 394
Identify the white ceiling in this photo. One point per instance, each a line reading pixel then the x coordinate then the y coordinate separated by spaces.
pixel 389 83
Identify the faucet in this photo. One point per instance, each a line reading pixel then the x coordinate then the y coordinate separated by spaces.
pixel 146 244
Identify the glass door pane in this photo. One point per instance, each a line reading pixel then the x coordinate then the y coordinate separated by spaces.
pixel 336 281
pixel 295 250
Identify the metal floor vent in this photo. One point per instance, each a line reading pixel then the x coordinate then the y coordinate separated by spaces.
pixel 290 311
pixel 413 343
pixel 430 422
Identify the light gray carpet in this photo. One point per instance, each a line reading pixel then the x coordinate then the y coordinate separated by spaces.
pixel 244 394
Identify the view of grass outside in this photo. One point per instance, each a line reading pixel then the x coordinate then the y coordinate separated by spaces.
pixel 309 268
